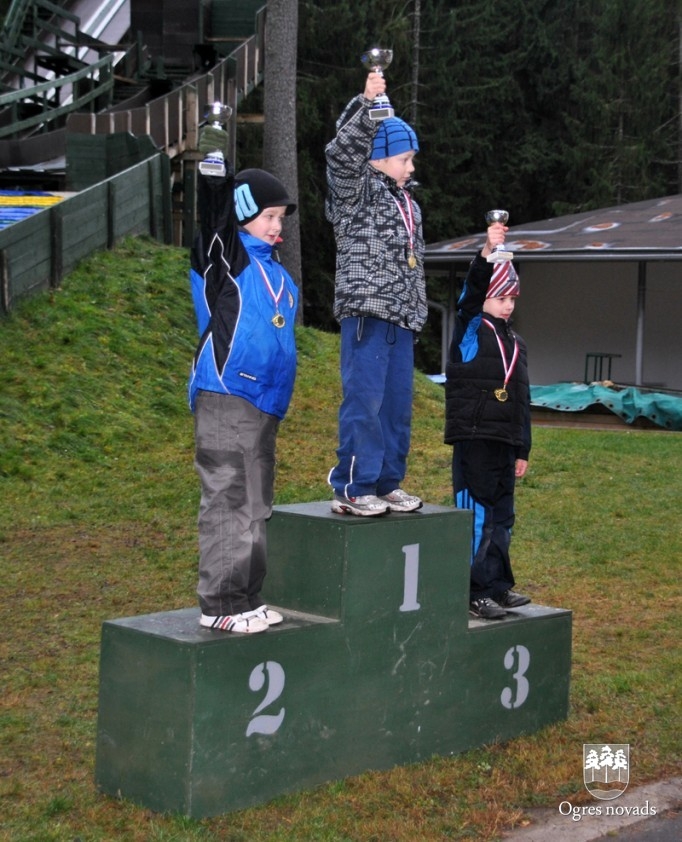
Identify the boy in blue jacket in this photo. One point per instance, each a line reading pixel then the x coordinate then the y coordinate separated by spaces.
pixel 240 385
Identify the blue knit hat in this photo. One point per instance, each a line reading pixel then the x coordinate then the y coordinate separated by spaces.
pixel 393 137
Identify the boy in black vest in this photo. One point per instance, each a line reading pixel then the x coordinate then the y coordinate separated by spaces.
pixel 487 419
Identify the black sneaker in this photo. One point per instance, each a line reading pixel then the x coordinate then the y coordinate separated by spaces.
pixel 511 599
pixel 486 609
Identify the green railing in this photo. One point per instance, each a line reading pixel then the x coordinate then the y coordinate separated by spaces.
pixel 26 26
pixel 50 101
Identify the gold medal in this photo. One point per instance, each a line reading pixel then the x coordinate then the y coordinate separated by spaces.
pixel 502 394
pixel 411 260
pixel 278 321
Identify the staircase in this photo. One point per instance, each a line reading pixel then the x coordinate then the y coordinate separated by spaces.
pixel 45 85
pixel 121 184
pixel 38 41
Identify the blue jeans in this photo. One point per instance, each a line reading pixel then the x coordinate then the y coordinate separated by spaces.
pixel 375 416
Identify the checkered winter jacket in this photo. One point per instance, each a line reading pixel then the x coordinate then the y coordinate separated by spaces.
pixel 373 277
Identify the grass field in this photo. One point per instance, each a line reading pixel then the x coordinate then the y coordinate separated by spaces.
pixel 98 520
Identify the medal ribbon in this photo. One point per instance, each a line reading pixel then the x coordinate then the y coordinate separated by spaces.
pixel 275 297
pixel 408 218
pixel 508 368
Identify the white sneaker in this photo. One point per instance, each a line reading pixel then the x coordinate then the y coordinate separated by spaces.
pixel 401 501
pixel 270 616
pixel 366 505
pixel 246 623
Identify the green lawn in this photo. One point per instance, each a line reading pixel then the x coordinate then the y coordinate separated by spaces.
pixel 98 521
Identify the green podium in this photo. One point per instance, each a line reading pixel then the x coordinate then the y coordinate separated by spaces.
pixel 376 664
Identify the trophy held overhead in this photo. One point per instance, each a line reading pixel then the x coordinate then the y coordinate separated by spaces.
pixel 377 60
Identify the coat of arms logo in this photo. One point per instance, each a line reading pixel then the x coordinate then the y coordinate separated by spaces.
pixel 606 769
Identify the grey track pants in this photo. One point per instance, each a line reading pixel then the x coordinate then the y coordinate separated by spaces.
pixel 235 461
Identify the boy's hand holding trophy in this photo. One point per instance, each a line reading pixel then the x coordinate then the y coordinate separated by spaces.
pixel 213 140
pixel 377 60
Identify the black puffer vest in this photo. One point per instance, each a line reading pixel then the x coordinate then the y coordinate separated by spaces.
pixel 472 411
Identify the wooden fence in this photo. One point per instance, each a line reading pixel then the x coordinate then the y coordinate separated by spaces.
pixel 36 253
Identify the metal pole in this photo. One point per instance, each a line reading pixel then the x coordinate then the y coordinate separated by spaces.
pixel 641 302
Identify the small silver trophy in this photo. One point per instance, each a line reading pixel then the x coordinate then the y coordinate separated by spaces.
pixel 377 59
pixel 214 161
pixel 499 253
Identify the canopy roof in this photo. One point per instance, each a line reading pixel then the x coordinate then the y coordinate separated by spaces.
pixel 641 231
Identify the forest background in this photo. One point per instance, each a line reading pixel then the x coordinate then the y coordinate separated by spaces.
pixel 543 107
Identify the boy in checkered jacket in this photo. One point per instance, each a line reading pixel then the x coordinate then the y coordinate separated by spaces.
pixel 380 302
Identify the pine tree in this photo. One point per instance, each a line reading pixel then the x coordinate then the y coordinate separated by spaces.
pixel 621 138
pixel 540 106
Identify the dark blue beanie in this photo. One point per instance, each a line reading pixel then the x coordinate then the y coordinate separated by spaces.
pixel 393 137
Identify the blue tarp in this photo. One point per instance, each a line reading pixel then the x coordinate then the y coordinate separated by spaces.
pixel 628 402
pixel 16 205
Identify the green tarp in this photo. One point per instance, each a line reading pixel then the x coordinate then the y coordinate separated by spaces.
pixel 628 402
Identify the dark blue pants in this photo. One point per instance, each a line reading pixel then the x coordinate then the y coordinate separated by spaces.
pixel 483 480
pixel 377 369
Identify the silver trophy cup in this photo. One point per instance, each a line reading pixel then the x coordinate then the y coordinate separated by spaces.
pixel 499 253
pixel 377 59
pixel 214 162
